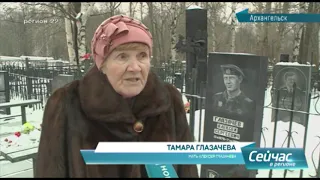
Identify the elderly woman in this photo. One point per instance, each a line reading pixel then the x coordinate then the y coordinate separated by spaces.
pixel 119 99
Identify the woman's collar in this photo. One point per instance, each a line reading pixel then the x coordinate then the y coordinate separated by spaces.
pixel 99 101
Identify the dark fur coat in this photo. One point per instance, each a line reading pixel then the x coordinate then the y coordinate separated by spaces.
pixel 88 111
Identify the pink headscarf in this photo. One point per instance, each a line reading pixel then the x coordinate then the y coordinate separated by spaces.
pixel 116 31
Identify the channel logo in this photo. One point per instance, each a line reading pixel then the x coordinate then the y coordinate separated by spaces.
pixel 274 158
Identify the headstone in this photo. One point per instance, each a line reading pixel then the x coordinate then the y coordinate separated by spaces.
pixel 285 75
pixel 196 57
pixel 87 64
pixel 234 105
pixel 196 41
pixel 61 80
pixel 2 81
pixel 178 81
pixel 284 57
pixel 58 65
pixel 4 91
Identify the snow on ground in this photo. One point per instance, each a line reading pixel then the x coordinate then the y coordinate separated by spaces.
pixel 25 140
pixel 292 64
pixel 14 125
pixel 312 140
pixel 35 118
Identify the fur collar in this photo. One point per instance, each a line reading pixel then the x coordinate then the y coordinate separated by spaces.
pixel 100 102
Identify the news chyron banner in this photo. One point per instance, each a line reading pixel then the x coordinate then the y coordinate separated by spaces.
pixel 231 153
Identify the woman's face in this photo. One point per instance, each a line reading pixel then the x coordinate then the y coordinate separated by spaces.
pixel 127 68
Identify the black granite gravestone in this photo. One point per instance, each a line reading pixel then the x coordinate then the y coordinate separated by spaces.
pixel 234 105
pixel 196 53
pixel 284 57
pixel 4 91
pixel 61 80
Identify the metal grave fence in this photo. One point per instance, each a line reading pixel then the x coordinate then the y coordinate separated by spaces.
pixel 30 80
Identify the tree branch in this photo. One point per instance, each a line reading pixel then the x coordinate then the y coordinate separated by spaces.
pixel 58 7
pixel 11 21
pixel 64 11
pixel 100 14
pixel 116 6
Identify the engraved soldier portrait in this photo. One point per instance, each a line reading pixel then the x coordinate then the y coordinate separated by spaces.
pixel 233 100
pixel 287 91
pixel 291 97
pixel 212 174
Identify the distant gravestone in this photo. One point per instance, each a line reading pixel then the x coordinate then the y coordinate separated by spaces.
pixel 4 91
pixel 178 80
pixel 285 75
pixel 61 80
pixel 284 57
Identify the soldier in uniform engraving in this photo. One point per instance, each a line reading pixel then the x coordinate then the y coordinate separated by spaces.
pixel 232 100
pixel 290 78
pixel 286 98
pixel 212 174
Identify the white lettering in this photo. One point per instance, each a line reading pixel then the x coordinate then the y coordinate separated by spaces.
pixel 227 128
pixel 251 18
pixel 34 21
pixel 165 171
pixel 226 134
pixel 265 18
pixel 250 156
pixel 229 122
pixel 267 157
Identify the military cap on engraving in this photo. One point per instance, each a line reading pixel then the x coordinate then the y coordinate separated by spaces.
pixel 231 69
pixel 288 74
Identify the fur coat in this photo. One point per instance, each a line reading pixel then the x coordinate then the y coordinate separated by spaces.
pixel 87 111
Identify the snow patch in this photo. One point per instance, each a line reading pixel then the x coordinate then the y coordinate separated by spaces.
pixel 228 53
pixel 292 64
pixel 192 7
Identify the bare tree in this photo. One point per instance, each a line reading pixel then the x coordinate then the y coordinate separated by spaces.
pixel 306 49
pixel 132 9
pixel 259 8
pixel 213 8
pixel 112 7
pixel 151 27
pixel 233 26
pixel 298 34
pixel 159 31
pixel 141 11
pixel 18 16
pixel 83 15
pixel 72 13
pixel 69 34
pixel 266 32
pixel 164 22
pixel 174 12
pixel 315 38
pixel 281 29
